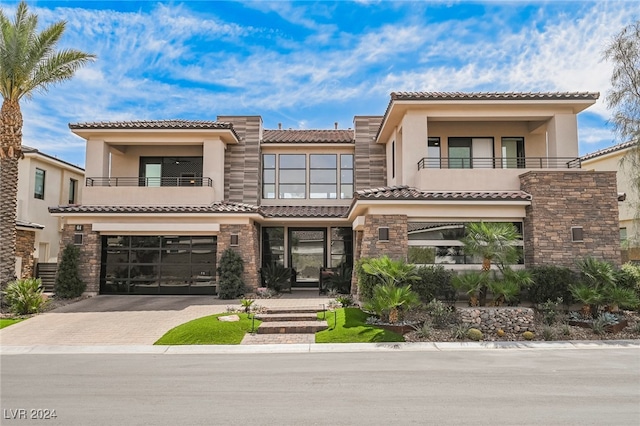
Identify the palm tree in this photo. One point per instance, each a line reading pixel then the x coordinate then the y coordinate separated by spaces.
pixel 493 241
pixel 29 62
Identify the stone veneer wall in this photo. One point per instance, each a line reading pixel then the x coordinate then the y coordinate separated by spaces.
pixel 490 320
pixel 242 161
pixel 90 255
pixel 561 200
pixel 248 248
pixel 370 157
pixel 396 248
pixel 25 246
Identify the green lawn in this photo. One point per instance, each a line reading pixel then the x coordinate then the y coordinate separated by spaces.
pixel 6 322
pixel 352 328
pixel 208 331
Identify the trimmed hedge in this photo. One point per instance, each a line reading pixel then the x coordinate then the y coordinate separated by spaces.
pixel 434 283
pixel 550 283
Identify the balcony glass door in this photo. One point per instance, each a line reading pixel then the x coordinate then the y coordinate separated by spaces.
pixel 153 174
pixel 307 254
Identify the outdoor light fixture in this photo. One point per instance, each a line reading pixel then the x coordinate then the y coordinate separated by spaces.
pixel 383 234
pixel 234 239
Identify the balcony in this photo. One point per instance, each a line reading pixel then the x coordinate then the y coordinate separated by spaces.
pixel 149 181
pixel 500 163
pixel 141 191
pixel 483 174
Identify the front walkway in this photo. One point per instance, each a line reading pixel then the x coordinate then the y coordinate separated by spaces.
pixel 130 320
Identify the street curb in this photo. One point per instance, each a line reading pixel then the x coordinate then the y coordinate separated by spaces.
pixel 315 348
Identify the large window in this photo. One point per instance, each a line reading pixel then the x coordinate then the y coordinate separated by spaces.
pixel 170 171
pixel 440 243
pixel 272 246
pixel 341 247
pixel 158 264
pixel 38 190
pixel 323 176
pixel 313 176
pixel 467 153
pixel 269 176
pixel 293 176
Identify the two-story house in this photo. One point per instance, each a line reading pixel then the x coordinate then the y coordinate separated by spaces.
pixel 43 181
pixel 164 199
pixel 611 159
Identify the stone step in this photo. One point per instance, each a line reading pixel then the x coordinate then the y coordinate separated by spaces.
pixel 282 327
pixel 300 310
pixel 312 316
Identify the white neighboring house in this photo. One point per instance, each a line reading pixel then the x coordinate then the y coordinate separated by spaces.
pixel 609 159
pixel 43 181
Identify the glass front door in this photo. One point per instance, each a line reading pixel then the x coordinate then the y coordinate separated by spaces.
pixel 307 254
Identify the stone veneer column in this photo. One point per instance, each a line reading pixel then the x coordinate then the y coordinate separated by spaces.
pixel 396 248
pixel 248 248
pixel 564 199
pixel 90 255
pixel 25 245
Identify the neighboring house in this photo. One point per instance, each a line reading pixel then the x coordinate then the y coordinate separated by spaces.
pixel 610 159
pixel 165 198
pixel 43 181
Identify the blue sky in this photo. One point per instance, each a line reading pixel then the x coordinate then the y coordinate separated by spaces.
pixel 310 64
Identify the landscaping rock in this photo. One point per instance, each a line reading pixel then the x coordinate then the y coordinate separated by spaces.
pixel 229 318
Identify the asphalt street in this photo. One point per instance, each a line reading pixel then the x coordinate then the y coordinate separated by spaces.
pixel 475 387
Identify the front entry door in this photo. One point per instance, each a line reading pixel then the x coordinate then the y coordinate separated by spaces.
pixel 307 255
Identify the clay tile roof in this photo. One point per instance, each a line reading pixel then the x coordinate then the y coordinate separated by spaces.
pixel 153 124
pixel 609 150
pixel 305 211
pixel 404 192
pixel 447 96
pixel 308 136
pixel 218 207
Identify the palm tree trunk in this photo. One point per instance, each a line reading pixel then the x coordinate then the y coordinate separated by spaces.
pixel 486 267
pixel 10 153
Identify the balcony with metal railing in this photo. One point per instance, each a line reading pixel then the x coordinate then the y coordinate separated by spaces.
pixel 137 191
pixel 500 163
pixel 484 174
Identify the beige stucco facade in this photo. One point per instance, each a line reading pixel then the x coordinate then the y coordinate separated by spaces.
pixel 57 177
pixel 611 159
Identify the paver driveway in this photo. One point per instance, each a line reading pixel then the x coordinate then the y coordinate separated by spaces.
pixel 128 320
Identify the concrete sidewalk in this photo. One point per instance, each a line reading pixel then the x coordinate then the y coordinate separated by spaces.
pixel 129 320
pixel 320 347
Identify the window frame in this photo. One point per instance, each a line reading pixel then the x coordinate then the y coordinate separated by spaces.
pixel 39 194
pixel 73 191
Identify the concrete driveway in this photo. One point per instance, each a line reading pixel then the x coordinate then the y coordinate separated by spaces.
pixel 127 320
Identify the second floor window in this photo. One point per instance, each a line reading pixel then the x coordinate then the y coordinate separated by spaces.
pixel 314 176
pixel 38 191
pixel 73 190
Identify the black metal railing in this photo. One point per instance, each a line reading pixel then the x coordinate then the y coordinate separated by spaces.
pixel 149 181
pixel 500 163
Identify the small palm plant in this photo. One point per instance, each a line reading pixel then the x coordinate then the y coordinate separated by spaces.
pixel 389 301
pixel 246 305
pixel 471 283
pixel 494 242
pixel 391 272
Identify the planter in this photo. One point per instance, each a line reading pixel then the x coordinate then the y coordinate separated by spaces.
pixel 399 328
pixel 613 328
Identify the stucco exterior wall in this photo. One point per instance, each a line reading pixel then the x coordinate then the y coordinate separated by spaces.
pixel 562 200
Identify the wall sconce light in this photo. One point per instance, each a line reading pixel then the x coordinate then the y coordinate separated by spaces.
pixel 234 240
pixel 383 234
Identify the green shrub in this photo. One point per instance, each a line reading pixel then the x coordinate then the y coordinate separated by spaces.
pixel 628 277
pixel 345 300
pixel 475 334
pixel 459 331
pixel 340 281
pixel 275 276
pixel 68 283
pixel 366 282
pixel 548 334
pixel 549 311
pixel 389 302
pixel 24 296
pixel 230 285
pixel 551 283
pixel 434 282
pixel 441 314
